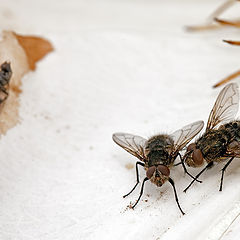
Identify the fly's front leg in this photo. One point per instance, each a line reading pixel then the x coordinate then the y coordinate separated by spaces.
pixel 175 194
pixel 185 169
pixel 176 164
pixel 210 164
pixel 141 192
pixel 137 163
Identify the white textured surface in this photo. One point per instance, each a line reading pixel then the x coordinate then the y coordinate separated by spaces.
pixel 117 66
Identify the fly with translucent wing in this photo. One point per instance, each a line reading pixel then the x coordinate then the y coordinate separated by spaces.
pixel 221 140
pixel 5 76
pixel 157 154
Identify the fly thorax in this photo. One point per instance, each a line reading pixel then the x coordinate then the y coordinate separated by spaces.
pixel 213 144
pixel 159 156
pixel 158 150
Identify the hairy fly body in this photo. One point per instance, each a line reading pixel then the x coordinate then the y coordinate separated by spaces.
pixel 157 154
pixel 5 76
pixel 221 140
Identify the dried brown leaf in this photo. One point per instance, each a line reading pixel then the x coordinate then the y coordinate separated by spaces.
pixel 35 48
pixel 22 52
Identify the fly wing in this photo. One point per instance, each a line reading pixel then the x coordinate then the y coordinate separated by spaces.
pixel 225 107
pixel 131 143
pixel 183 136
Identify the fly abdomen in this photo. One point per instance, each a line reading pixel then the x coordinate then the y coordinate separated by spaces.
pixel 232 129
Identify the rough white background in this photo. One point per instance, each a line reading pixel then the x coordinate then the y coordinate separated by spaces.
pixel 117 66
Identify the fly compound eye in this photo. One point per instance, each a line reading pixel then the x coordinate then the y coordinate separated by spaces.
pixel 150 172
pixel 191 147
pixel 197 157
pixel 164 170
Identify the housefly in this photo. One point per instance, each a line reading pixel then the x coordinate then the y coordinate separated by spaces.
pixel 5 76
pixel 221 140
pixel 157 154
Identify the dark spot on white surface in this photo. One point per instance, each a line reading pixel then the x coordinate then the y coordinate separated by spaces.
pixel 7 13
pixel 129 166
pixel 90 147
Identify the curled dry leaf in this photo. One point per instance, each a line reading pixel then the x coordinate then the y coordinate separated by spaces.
pixel 22 52
pixel 35 48
pixel 215 22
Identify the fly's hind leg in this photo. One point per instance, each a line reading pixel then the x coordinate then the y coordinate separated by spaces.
pixel 137 163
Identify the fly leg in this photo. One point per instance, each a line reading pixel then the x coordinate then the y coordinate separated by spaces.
pixel 223 170
pixel 176 164
pixel 145 179
pixel 209 165
pixel 137 163
pixel 185 170
pixel 175 193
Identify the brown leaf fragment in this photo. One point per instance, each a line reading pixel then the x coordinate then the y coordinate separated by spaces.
pixel 222 8
pixel 35 48
pixel 232 42
pixel 227 79
pixel 214 22
pixel 22 52
pixel 204 27
pixel 227 22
